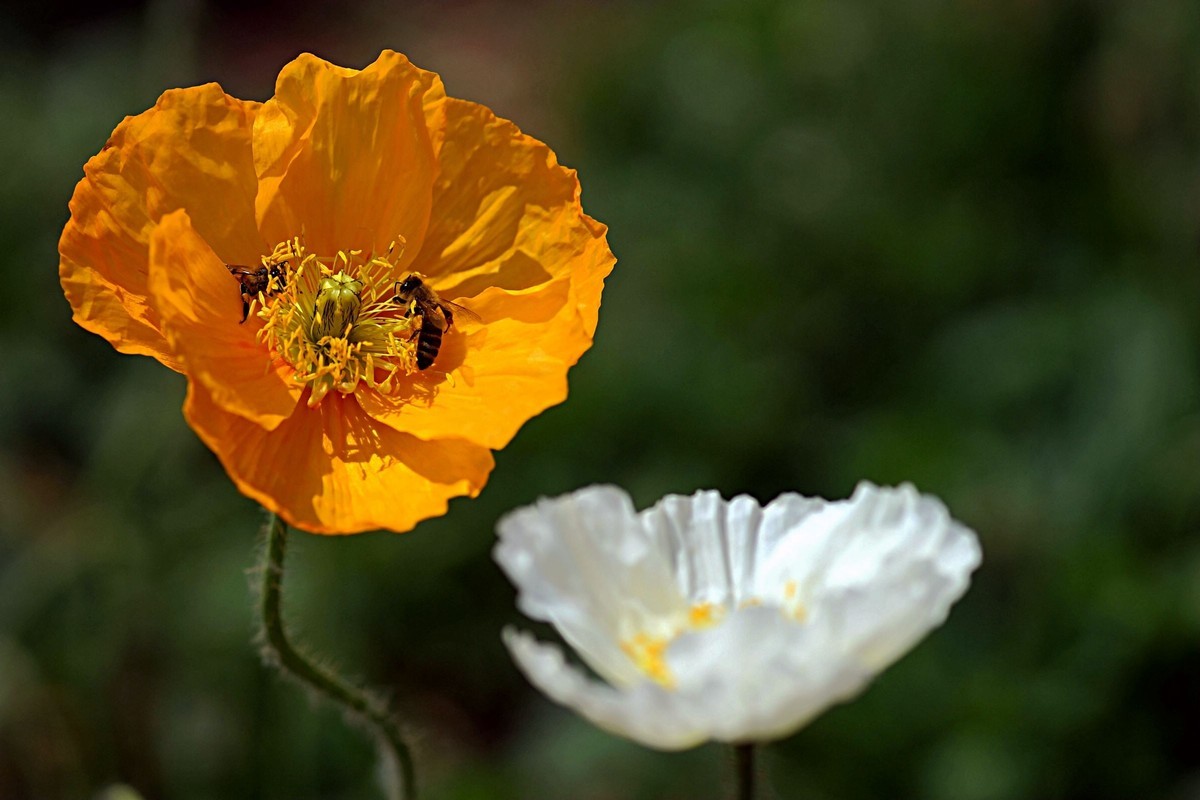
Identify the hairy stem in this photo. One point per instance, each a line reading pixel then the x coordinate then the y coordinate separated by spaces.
pixel 359 705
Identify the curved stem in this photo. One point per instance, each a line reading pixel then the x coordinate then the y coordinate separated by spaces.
pixel 743 764
pixel 360 705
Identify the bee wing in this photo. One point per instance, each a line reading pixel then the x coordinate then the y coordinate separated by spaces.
pixel 461 310
pixel 238 269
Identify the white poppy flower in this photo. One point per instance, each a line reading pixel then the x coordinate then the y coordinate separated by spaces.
pixel 714 619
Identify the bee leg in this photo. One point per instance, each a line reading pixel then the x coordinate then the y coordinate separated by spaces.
pixel 449 317
pixel 245 309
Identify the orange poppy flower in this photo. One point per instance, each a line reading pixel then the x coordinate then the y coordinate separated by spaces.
pixel 307 213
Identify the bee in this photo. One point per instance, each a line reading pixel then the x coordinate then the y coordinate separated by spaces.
pixel 437 315
pixel 256 280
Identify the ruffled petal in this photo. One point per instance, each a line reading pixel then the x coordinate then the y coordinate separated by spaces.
pixel 344 157
pixel 191 151
pixel 330 469
pixel 761 675
pixel 790 608
pixel 489 379
pixel 882 568
pixel 645 712
pixel 200 305
pixel 718 546
pixel 507 214
pixel 583 562
pixel 509 240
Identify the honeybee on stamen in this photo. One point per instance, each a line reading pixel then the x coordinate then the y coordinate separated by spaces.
pixel 254 281
pixel 437 315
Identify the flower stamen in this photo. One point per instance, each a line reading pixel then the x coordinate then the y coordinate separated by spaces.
pixel 649 654
pixel 705 615
pixel 336 320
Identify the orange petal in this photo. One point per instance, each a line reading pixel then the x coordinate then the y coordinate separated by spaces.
pixel 505 212
pixel 191 151
pixel 344 157
pixel 200 305
pixel 499 374
pixel 332 469
pixel 507 216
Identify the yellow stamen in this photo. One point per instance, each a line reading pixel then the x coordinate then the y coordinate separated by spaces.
pixel 648 651
pixel 649 654
pixel 335 320
pixel 792 605
pixel 705 615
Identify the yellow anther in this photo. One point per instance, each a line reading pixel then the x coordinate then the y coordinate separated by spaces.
pixel 649 654
pixel 338 328
pixel 705 615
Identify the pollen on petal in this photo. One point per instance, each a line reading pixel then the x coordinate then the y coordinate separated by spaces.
pixel 704 615
pixel 649 654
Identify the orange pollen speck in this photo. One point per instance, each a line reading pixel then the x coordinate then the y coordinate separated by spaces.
pixel 649 654
pixel 704 615
pixel 335 320
pixel 794 608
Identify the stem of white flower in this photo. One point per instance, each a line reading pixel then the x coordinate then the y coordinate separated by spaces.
pixel 359 705
pixel 743 764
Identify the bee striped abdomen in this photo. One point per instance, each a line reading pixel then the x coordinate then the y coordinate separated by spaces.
pixel 429 341
pixel 416 297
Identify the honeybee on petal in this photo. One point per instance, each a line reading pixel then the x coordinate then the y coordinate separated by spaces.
pixel 437 315
pixel 254 281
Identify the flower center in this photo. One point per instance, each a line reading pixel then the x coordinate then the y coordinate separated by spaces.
pixel 647 648
pixel 649 653
pixel 337 320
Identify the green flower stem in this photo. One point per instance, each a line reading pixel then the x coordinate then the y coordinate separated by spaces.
pixel 360 705
pixel 743 764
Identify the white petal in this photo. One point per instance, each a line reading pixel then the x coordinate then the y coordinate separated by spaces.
pixel 760 675
pixel 881 569
pixel 644 712
pixel 717 546
pixel 846 589
pixel 584 563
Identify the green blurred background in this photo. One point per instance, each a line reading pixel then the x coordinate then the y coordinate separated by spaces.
pixel 948 242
